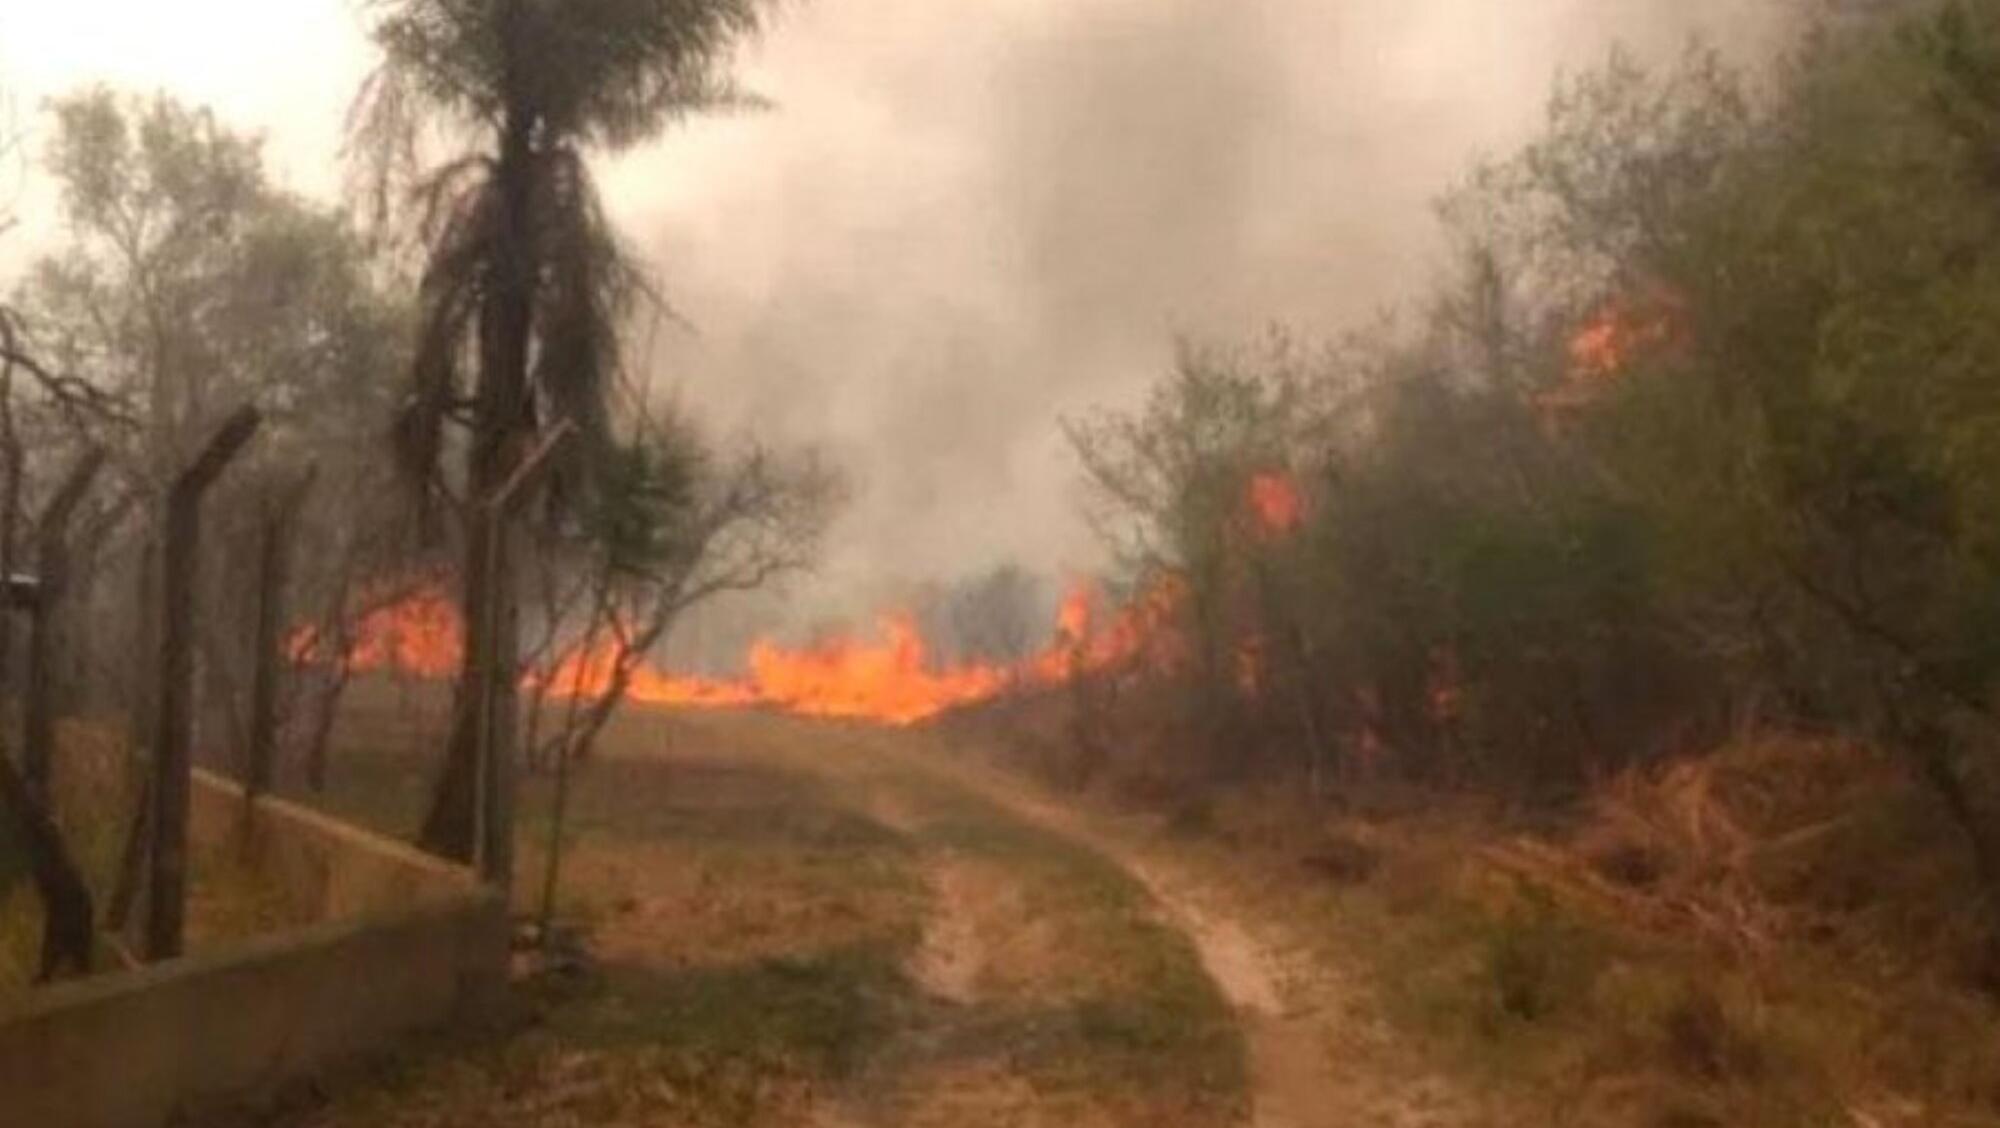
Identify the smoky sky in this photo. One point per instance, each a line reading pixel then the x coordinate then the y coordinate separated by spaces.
pixel 963 221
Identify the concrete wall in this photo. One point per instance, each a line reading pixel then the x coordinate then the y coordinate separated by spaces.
pixel 331 869
pixel 405 943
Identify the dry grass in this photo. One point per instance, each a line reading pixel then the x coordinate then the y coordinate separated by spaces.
pixel 230 896
pixel 1779 934
pixel 758 894
pixel 92 800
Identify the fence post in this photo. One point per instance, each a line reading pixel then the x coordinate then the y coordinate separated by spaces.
pixel 173 720
pixel 494 793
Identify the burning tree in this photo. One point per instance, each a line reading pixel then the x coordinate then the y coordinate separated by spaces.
pixel 1195 494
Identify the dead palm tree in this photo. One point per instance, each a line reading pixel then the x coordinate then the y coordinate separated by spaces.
pixel 525 285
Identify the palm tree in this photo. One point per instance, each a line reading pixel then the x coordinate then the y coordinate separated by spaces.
pixel 525 285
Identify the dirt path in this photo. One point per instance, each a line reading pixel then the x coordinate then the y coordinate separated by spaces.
pixel 1288 1065
pixel 1301 1075
pixel 1289 1068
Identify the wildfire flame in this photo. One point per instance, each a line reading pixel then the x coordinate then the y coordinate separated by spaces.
pixel 890 679
pixel 417 635
pixel 1141 632
pixel 1601 348
pixel 1276 504
pixel 1618 332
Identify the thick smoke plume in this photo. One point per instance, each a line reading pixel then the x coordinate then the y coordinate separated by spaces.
pixel 964 220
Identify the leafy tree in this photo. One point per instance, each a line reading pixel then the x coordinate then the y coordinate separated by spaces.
pixel 1801 420
pixel 525 286
pixel 1169 492
pixel 191 285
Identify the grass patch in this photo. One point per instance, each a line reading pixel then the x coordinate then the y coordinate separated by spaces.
pixel 752 928
pixel 825 1012
pixel 756 890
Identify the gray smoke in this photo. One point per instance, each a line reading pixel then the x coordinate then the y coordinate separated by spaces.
pixel 965 219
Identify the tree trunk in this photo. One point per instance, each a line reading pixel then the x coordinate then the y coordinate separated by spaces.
pixel 273 561
pixel 322 727
pixel 484 714
pixel 132 858
pixel 145 651
pixel 485 702
pixel 339 630
pixel 264 652
pixel 499 710
pixel 174 723
pixel 1304 683
pixel 39 721
pixel 559 813
pixel 67 932
pixel 13 459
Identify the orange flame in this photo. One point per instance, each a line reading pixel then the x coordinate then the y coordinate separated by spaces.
pixel 1602 347
pixel 1276 504
pixel 890 679
pixel 581 674
pixel 419 635
pixel 1618 332
pixel 1252 667
pixel 889 682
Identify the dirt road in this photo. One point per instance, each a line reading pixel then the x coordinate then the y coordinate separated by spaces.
pixel 1288 1007
pixel 811 924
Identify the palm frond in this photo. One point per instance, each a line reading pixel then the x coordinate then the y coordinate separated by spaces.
pixel 589 289
pixel 619 71
pixel 579 73
pixel 449 299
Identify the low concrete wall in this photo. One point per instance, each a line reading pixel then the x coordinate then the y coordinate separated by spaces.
pixel 328 869
pixel 405 943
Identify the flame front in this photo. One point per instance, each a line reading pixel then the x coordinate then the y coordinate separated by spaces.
pixel 417 635
pixel 889 679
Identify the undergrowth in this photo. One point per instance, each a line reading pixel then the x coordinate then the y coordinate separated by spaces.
pixel 1783 933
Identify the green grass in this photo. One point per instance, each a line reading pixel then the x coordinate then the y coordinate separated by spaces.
pixel 824 1012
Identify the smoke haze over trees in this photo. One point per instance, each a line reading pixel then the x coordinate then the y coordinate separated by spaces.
pixel 960 221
